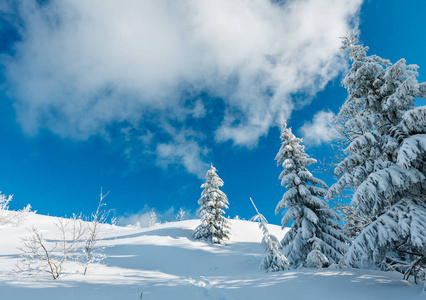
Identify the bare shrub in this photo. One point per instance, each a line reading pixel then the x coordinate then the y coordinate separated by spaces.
pixel 92 253
pixel 77 240
pixel 41 255
pixel 8 217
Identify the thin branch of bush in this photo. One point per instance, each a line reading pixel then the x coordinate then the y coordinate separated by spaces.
pixel 98 221
pixel 78 241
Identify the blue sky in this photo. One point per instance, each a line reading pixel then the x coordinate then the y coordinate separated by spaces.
pixel 140 98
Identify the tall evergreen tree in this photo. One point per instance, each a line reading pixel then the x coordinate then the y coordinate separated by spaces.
pixel 315 239
pixel 214 227
pixel 385 161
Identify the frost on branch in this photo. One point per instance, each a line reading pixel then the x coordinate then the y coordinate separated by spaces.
pixel 4 201
pixel 92 252
pixel 8 217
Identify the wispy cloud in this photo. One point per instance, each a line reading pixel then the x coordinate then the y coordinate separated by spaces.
pixel 319 130
pixel 188 154
pixel 81 66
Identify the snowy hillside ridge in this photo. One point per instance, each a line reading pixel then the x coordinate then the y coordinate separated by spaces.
pixel 166 262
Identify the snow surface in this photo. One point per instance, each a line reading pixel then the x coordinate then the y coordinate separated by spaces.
pixel 165 262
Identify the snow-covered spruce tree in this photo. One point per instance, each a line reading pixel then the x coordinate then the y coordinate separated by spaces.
pixel 385 162
pixel 180 216
pixel 152 218
pixel 315 239
pixel 214 227
pixel 273 260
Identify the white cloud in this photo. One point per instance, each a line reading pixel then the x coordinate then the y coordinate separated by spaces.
pixel 319 130
pixel 81 65
pixel 183 150
pixel 188 154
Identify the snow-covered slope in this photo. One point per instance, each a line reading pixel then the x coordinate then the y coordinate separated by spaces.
pixel 165 262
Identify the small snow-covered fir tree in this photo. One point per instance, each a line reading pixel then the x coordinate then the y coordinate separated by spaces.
pixel 385 162
pixel 214 227
pixel 180 216
pixel 152 218
pixel 273 260
pixel 315 239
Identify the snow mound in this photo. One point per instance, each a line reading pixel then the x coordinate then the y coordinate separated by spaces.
pixel 165 262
